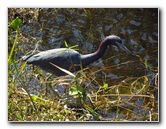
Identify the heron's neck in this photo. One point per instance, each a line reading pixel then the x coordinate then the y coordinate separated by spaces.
pixel 89 58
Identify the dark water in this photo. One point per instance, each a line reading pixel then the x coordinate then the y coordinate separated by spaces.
pixel 87 27
pixel 138 28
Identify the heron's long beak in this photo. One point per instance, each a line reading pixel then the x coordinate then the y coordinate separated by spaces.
pixel 125 49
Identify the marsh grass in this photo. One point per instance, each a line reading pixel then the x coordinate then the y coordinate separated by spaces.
pixel 31 97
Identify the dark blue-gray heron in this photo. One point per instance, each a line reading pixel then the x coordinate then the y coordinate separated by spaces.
pixel 70 59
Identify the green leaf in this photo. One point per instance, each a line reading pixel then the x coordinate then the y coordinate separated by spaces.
pixel 74 47
pixel 105 86
pixel 16 23
pixel 78 91
pixel 75 90
pixel 34 98
pixel 66 44
pixel 146 63
pixel 13 47
pixel 92 111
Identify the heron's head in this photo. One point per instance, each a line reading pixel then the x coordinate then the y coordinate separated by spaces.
pixel 115 40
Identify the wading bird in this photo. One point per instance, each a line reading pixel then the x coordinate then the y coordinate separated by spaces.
pixel 70 59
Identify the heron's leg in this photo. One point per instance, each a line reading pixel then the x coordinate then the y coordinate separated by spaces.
pixel 72 66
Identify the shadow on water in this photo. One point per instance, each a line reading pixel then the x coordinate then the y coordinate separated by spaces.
pixel 130 79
